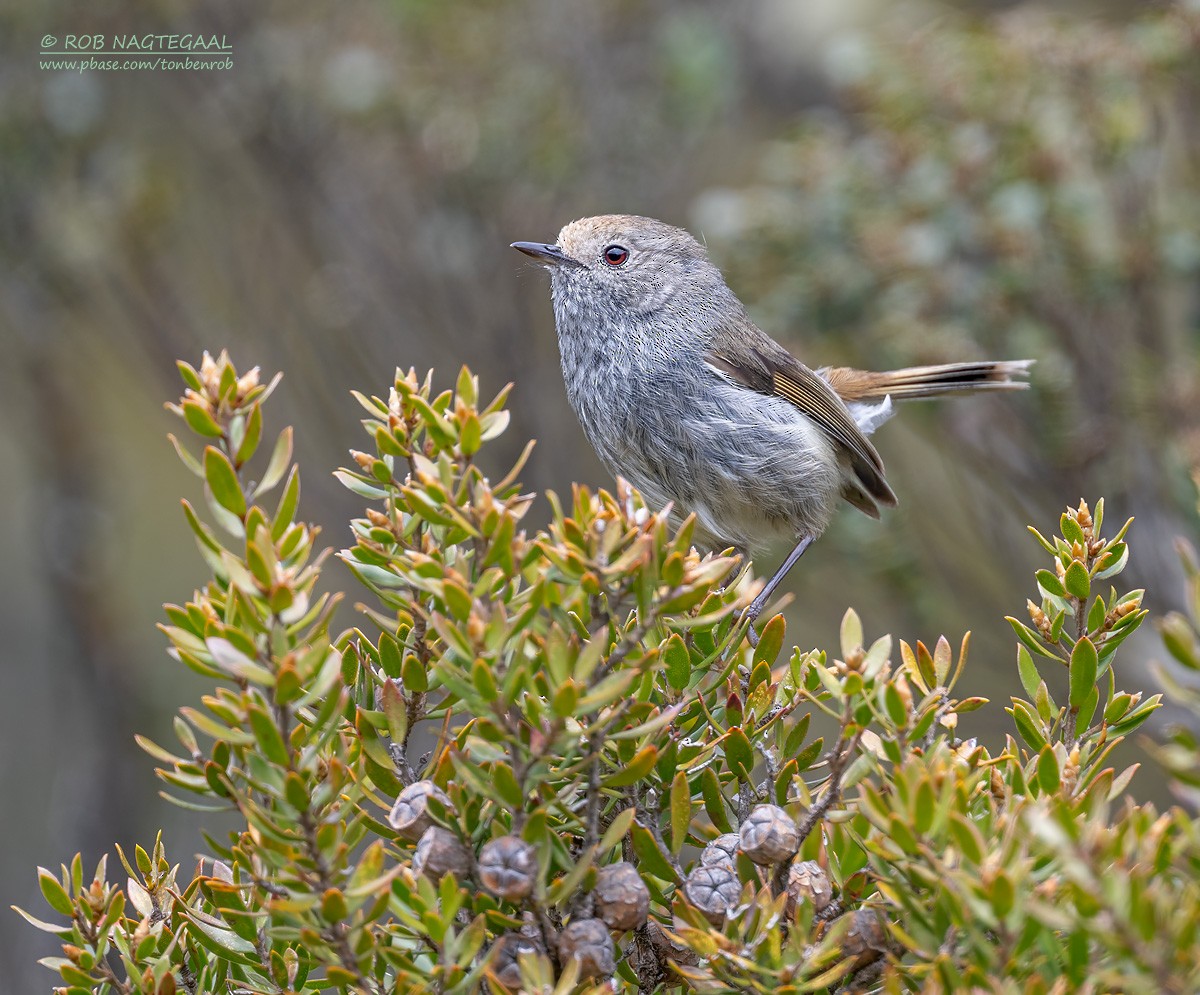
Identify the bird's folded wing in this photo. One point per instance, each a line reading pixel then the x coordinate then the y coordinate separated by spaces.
pixel 785 376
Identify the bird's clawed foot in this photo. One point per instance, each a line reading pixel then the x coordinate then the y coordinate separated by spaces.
pixel 751 614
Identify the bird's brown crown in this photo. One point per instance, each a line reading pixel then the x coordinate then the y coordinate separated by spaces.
pixel 587 238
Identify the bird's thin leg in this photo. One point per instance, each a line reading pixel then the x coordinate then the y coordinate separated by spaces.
pixel 760 602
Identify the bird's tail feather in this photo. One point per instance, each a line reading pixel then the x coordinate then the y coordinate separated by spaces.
pixel 929 381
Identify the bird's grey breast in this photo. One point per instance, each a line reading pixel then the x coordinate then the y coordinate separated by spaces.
pixel 617 367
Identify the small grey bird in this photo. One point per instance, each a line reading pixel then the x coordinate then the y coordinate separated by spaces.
pixel 684 396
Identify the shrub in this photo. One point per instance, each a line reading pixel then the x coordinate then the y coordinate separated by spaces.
pixel 552 761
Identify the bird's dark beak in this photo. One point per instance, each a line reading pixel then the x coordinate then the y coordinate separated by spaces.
pixel 549 255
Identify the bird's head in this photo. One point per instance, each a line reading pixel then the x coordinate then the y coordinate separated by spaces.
pixel 628 269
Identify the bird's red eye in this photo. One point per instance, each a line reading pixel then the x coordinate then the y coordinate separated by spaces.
pixel 614 255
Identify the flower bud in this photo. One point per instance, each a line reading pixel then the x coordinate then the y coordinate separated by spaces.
pixel 378 519
pixel 410 815
pixel 621 897
pixel 769 835
pixel 508 867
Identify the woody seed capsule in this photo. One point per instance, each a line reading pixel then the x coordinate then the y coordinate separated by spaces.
pixel 508 948
pixel 508 867
pixel 622 899
pixel 722 850
pixel 410 815
pixel 714 889
pixel 769 835
pixel 588 941
pixel 440 852
pixel 867 937
pixel 808 882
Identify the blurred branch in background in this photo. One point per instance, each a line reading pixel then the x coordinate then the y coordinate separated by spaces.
pixel 912 187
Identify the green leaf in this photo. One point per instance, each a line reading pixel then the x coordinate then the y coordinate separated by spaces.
pixel 650 858
pixel 681 811
pixel 796 735
pixel 678 662
pixel 203 533
pixel 565 699
pixel 414 676
pixel 942 658
pixel 809 755
pixel 1002 893
pixel 1029 638
pixel 190 377
pixel 223 481
pixel 967 837
pixel 506 784
pixel 1082 673
pixel 281 457
pixel 228 382
pixel 285 513
pixel 1077 581
pixel 1070 529
pixel 1030 679
pixel 902 834
pixel 569 885
pixel 395 709
pixel 642 763
pixel 1027 725
pixel 1116 709
pixel 466 387
pixel 894 703
pixel 739 754
pixel 783 781
pixel 253 434
pixel 355 484
pixel 186 458
pixel 1095 617
pixel 199 420
pixel 54 893
pixel 714 801
pixel 236 663
pixel 46 927
pixel 223 942
pixel 1088 709
pixel 470 434
pixel 924 807
pixel 609 689
pixel 925 666
pixel 482 678
pixel 851 633
pixel 1050 584
pixel 270 741
pixel 1046 544
pixel 390 658
pixel 1136 717
pixel 770 641
pixel 1114 560
pixel 1048 774
pixel 617 829
pixel 296 791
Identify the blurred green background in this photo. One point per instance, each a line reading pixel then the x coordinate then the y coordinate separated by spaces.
pixel 884 184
